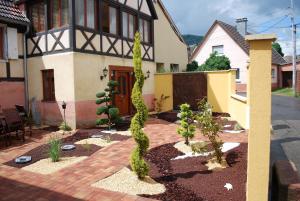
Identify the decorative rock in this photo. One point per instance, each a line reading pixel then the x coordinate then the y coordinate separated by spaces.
pixel 23 159
pixel 97 136
pixel 109 131
pixel 68 147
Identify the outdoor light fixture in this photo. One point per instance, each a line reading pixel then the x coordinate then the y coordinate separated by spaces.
pixel 64 107
pixel 148 75
pixel 105 72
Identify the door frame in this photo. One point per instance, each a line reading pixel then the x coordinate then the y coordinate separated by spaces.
pixel 131 81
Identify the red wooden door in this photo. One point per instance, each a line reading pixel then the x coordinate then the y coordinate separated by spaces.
pixel 122 100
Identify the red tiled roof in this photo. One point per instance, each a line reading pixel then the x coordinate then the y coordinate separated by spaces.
pixel 10 13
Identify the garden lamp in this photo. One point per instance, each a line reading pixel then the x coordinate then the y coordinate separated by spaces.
pixel 105 72
pixel 64 107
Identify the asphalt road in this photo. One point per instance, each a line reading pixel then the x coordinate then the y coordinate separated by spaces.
pixel 285 143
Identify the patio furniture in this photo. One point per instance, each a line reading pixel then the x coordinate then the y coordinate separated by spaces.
pixel 3 133
pixel 26 118
pixel 14 122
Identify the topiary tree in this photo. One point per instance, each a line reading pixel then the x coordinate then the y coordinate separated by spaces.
pixel 138 165
pixel 187 129
pixel 105 99
pixel 210 128
pixel 215 62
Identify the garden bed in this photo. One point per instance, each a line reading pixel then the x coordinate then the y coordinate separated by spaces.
pixel 82 150
pixel 189 179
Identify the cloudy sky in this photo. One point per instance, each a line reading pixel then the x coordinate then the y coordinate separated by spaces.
pixel 265 16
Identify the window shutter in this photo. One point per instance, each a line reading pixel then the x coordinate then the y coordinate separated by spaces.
pixel 12 41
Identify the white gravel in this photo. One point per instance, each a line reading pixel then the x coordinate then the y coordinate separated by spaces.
pixel 125 181
pixel 46 166
pixel 96 141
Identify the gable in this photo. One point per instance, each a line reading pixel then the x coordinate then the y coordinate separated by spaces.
pixel 144 6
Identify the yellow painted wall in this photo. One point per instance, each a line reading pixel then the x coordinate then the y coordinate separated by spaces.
pixel 63 73
pixel 164 85
pixel 168 47
pixel 16 68
pixel 239 110
pixel 89 67
pixel 259 100
pixel 3 69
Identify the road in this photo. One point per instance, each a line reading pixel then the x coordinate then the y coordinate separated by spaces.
pixel 285 143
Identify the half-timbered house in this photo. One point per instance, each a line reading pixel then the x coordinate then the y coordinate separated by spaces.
pixel 76 46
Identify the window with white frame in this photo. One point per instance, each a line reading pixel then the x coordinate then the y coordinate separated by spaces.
pixel 219 49
pixel 174 67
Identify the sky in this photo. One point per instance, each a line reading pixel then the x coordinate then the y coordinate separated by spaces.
pixel 264 16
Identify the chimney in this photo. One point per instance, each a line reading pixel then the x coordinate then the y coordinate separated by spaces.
pixel 241 26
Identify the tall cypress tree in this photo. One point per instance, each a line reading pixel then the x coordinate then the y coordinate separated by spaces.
pixel 138 164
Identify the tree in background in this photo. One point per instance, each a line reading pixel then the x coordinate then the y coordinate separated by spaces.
pixel 276 46
pixel 192 66
pixel 138 164
pixel 215 62
pixel 111 112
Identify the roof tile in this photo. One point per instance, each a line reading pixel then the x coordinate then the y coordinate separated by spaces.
pixel 10 12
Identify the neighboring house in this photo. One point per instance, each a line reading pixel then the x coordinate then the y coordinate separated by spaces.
pixel 76 46
pixel 13 24
pixel 286 73
pixel 228 40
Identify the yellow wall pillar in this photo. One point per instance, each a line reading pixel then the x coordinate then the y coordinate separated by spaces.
pixel 259 100
pixel 164 86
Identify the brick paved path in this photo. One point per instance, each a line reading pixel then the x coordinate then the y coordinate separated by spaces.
pixel 74 182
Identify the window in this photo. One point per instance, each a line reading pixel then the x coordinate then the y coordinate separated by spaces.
pixel 273 73
pixel 59 13
pixel 174 67
pixel 144 29
pixel 237 75
pixel 2 43
pixel 37 15
pixel 160 68
pixel 219 49
pixel 85 13
pixel 110 19
pixel 48 85
pixel 129 25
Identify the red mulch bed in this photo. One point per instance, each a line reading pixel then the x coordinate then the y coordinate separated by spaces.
pixel 189 180
pixel 41 152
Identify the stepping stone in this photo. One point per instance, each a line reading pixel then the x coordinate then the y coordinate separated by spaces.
pixel 68 147
pixel 23 159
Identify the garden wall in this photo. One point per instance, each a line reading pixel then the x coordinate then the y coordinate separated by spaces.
pixel 218 86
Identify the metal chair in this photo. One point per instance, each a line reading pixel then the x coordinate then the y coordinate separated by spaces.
pixel 14 122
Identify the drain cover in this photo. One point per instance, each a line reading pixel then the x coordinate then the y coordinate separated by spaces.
pixel 23 159
pixel 68 147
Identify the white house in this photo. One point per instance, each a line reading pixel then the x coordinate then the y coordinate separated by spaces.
pixel 229 40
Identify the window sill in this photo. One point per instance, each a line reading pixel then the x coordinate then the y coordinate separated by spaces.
pixel 3 60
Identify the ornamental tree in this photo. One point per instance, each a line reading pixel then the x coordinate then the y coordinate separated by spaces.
pixel 105 99
pixel 210 128
pixel 215 62
pixel 138 164
pixel 187 128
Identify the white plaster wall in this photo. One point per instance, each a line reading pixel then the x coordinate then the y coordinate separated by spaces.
pixel 232 50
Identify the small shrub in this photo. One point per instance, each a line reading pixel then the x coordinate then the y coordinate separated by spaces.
pixel 199 147
pixel 158 103
pixel 215 62
pixel 108 139
pixel 187 128
pixel 65 127
pixel 192 66
pixel 54 149
pixel 238 127
pixel 86 146
pixel 210 128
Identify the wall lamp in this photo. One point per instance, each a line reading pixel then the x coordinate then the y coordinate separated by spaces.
pixel 105 72
pixel 147 76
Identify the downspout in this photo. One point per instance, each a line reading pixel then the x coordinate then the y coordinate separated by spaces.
pixel 25 69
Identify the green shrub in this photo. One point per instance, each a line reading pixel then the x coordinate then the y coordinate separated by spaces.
pixel 238 127
pixel 158 103
pixel 86 146
pixel 215 62
pixel 54 148
pixel 199 147
pixel 187 128
pixel 65 127
pixel 210 128
pixel 192 66
pixel 105 99
pixel 138 165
